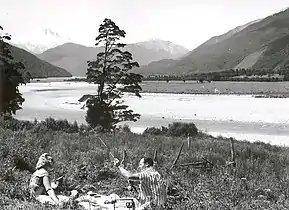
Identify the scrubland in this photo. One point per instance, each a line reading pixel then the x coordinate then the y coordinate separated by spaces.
pixel 259 180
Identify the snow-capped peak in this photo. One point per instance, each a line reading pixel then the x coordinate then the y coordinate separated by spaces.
pixel 39 41
pixel 175 50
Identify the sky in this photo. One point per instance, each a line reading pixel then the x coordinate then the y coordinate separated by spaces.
pixel 185 22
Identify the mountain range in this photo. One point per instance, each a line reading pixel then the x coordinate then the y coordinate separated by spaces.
pixel 261 44
pixel 168 66
pixel 74 57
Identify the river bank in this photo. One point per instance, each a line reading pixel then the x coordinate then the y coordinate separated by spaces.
pixel 238 116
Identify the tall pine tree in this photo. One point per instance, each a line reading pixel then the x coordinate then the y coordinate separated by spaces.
pixel 111 71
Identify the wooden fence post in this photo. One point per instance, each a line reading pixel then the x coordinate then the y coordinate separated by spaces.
pixel 123 161
pixel 233 152
pixel 189 141
pixel 155 158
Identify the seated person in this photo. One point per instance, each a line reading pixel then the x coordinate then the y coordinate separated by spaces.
pixel 152 189
pixel 40 184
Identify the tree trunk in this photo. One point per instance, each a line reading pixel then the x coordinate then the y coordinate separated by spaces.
pixel 102 80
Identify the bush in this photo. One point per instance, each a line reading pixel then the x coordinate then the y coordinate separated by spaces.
pixel 177 129
pixel 182 129
pixel 49 124
pixel 9 122
pixel 124 128
pixel 63 125
pixel 154 131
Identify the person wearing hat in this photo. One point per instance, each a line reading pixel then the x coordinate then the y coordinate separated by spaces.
pixel 41 187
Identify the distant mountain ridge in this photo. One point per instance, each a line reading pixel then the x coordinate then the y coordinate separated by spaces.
pixel 74 57
pixel 262 44
pixel 167 66
pixel 36 67
pixel 176 51
pixel 259 44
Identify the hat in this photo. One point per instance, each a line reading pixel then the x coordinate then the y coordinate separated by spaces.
pixel 43 160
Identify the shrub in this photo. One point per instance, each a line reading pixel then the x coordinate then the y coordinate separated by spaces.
pixel 176 129
pixel 152 131
pixel 124 128
pixel 49 124
pixel 182 129
pixel 9 122
pixel 63 125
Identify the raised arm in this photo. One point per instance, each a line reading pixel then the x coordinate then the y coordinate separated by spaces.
pixel 126 173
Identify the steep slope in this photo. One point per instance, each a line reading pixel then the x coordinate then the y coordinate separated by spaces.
pixel 74 57
pixel 276 55
pixel 231 51
pixel 229 34
pixel 251 60
pixel 35 66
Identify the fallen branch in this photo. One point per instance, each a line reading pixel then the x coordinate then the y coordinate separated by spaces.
pixel 207 161
pixel 106 147
pixel 193 164
pixel 177 158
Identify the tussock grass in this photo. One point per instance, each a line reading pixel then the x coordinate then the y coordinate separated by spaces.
pixel 259 181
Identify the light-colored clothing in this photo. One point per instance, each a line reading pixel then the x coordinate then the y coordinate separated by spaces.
pixel 152 187
pixel 38 190
pixel 47 199
pixel 36 185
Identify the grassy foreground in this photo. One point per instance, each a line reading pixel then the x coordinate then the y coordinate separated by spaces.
pixel 259 181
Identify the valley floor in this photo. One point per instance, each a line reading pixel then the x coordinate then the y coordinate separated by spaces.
pixel 236 88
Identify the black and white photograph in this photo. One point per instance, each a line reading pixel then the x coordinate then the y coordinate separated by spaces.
pixel 144 104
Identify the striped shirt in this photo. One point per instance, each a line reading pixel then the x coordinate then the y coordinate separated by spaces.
pixel 152 187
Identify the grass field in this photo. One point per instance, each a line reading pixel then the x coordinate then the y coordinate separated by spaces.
pixel 192 87
pixel 259 181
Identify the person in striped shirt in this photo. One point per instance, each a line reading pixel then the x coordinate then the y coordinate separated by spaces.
pixel 152 188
